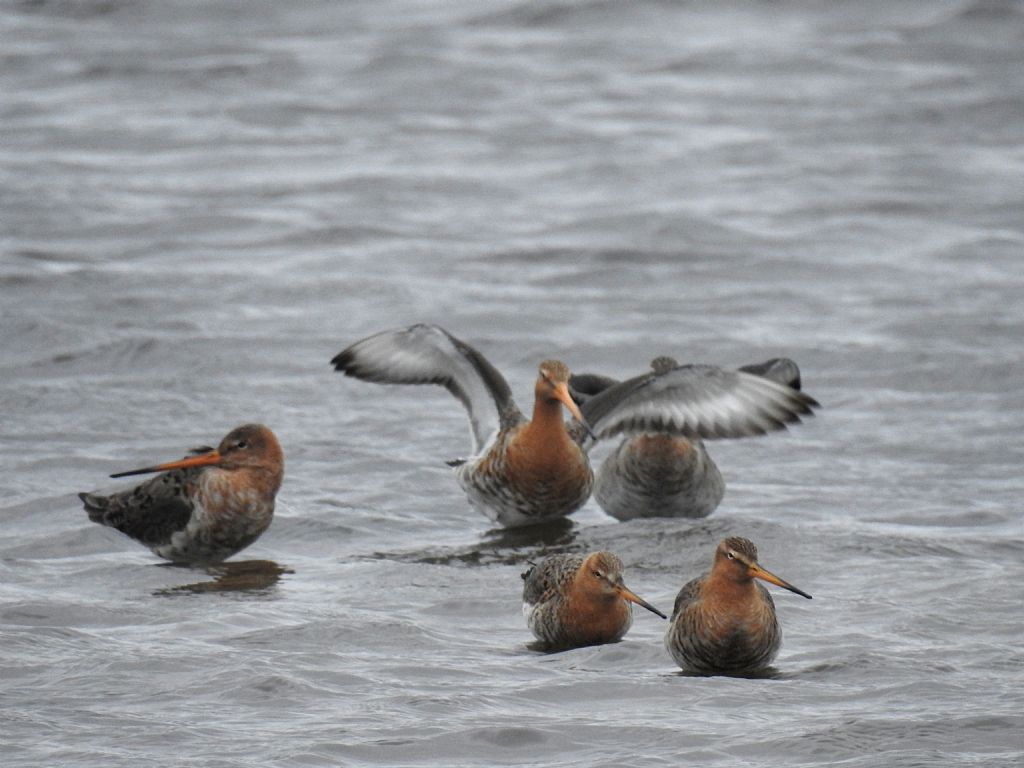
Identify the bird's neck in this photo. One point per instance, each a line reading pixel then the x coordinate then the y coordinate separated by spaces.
pixel 723 590
pixel 265 480
pixel 547 414
pixel 546 431
pixel 600 611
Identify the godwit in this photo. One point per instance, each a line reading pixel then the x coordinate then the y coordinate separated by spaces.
pixel 659 474
pixel 524 472
pixel 205 507
pixel 521 472
pixel 575 600
pixel 723 621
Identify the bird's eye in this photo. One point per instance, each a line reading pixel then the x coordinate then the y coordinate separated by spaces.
pixel 241 444
pixel 731 555
pixel 599 574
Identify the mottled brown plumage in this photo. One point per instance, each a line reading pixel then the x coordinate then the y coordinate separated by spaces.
pixel 205 507
pixel 724 622
pixel 576 600
pixel 535 470
pixel 522 472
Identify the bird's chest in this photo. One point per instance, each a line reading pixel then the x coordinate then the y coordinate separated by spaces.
pixel 229 509
pixel 529 476
pixel 546 464
pixel 737 624
pixel 596 620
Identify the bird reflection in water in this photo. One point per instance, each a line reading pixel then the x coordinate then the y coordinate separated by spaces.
pixel 558 532
pixel 236 576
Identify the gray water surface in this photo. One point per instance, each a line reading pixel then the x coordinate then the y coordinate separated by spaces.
pixel 202 202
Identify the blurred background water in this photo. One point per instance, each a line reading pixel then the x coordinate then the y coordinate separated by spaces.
pixel 202 202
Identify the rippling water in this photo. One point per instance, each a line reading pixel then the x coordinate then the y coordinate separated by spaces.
pixel 202 202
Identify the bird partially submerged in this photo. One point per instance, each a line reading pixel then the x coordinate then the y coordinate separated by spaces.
pixel 521 471
pixel 724 622
pixel 662 473
pixel 576 600
pixel 529 471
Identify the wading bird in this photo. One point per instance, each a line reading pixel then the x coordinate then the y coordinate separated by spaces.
pixel 660 474
pixel 529 471
pixel 575 600
pixel 205 507
pixel 724 621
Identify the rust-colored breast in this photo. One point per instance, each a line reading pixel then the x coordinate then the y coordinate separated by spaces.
pixel 534 471
pixel 547 461
pixel 728 629
pixel 589 619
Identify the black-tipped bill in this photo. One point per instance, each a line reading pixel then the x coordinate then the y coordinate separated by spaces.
pixel 760 573
pixel 626 594
pixel 207 459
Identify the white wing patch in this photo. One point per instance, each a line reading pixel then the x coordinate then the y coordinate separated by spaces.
pixel 696 401
pixel 427 354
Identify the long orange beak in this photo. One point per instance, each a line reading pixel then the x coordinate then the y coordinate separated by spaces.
pixel 203 460
pixel 562 394
pixel 626 594
pixel 760 573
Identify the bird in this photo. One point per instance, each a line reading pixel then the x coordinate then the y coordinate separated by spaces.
pixel 205 507
pixel 575 600
pixel 523 472
pixel 724 622
pixel 660 474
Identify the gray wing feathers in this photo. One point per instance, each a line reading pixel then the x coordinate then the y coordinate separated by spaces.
pixel 696 401
pixel 428 354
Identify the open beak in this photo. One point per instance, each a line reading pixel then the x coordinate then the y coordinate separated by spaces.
pixel 203 460
pixel 760 573
pixel 562 393
pixel 626 594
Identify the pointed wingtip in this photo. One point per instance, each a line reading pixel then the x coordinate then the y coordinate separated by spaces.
pixel 341 361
